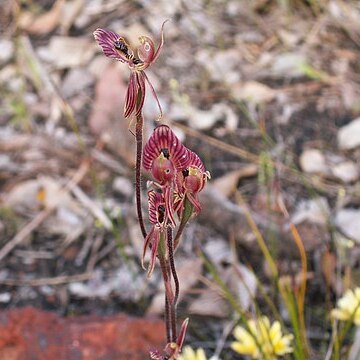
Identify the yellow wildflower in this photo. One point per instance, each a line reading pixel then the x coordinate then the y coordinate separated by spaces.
pixel 348 307
pixel 189 354
pixel 262 341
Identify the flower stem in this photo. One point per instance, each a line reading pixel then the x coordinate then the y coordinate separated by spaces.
pixel 170 244
pixel 167 317
pixel 170 316
pixel 139 145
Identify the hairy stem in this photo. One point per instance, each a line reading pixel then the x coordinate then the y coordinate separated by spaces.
pixel 170 316
pixel 139 146
pixel 167 318
pixel 172 264
pixel 172 311
pixel 168 299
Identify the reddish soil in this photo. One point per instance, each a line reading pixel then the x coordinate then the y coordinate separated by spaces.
pixel 27 334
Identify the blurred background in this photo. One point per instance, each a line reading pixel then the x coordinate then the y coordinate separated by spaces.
pixel 265 91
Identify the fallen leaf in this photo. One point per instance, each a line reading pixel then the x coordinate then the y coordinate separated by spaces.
pixel 240 281
pixel 288 65
pixel 75 81
pixel 227 183
pixel 346 171
pixel 253 92
pixel 188 272
pixel 6 50
pixel 71 11
pixel 68 216
pixel 43 23
pixel 349 135
pixel 348 220
pixel 210 303
pixel 328 268
pixel 316 211
pixel 313 161
pixel 106 119
pixel 69 52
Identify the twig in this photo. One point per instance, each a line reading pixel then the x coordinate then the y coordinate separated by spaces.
pixel 231 149
pixel 106 250
pixel 85 249
pixel 42 216
pixel 70 238
pixel 92 206
pixel 109 161
pixel 47 281
pixel 25 232
pixel 94 252
pixel 28 254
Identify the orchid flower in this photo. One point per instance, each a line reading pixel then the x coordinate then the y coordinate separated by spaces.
pixel 158 218
pixel 164 155
pixel 116 47
pixel 190 182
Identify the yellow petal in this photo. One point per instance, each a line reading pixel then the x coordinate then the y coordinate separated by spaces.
pixel 200 354
pixel 245 349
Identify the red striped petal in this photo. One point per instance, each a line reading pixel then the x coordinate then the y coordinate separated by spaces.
pixel 163 138
pixel 194 161
pixel 107 39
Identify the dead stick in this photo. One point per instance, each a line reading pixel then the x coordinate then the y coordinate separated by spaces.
pixel 47 281
pixel 42 216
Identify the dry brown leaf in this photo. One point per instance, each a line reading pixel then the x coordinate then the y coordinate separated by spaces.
pixel 240 281
pixel 328 269
pixel 44 23
pixel 228 183
pixel 188 272
pixel 107 119
pixel 70 52
pixel 45 192
pixel 71 11
pixel 253 92
pixel 210 303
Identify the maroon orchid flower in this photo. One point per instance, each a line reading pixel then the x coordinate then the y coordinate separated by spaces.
pixel 190 182
pixel 158 218
pixel 164 155
pixel 115 47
